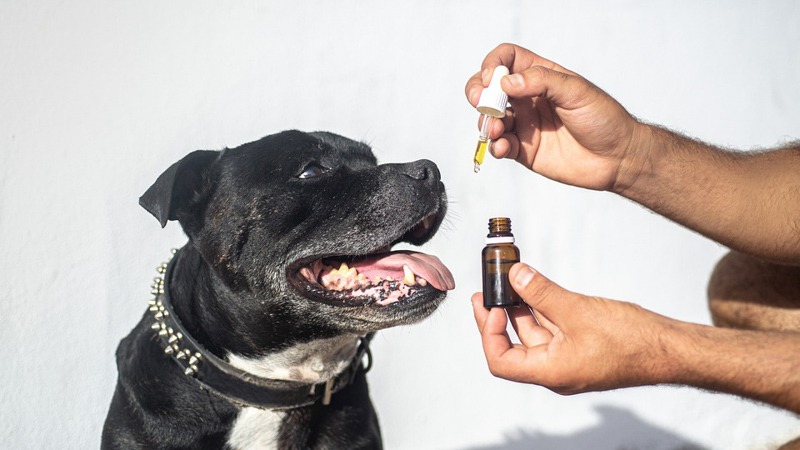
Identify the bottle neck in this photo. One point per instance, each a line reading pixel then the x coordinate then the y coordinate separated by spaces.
pixel 499 240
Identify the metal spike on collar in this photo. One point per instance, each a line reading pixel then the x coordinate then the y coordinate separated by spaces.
pixel 173 338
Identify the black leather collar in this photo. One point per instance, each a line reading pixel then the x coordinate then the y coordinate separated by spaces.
pixel 231 383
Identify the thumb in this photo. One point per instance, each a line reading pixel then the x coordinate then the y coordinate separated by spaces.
pixel 539 292
pixel 564 89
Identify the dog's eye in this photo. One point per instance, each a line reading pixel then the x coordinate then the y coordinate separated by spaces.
pixel 312 170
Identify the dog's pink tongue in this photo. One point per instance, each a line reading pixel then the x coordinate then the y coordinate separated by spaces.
pixel 426 266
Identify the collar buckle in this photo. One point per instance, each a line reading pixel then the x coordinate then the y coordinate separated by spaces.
pixel 326 396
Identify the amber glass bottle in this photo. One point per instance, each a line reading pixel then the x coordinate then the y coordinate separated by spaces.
pixel 497 258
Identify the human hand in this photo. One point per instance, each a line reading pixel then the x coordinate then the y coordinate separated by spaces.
pixel 579 344
pixel 560 125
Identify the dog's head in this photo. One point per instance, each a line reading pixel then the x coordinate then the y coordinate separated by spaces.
pixel 300 226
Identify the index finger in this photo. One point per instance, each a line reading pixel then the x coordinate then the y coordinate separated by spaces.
pixel 474 88
pixel 517 59
pixel 503 357
pixel 492 326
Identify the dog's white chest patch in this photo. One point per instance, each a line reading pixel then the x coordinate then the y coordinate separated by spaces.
pixel 255 429
pixel 310 362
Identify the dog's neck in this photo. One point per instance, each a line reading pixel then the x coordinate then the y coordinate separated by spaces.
pixel 319 359
pixel 204 302
pixel 309 362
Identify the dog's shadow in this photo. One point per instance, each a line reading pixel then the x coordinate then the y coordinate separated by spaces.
pixel 615 423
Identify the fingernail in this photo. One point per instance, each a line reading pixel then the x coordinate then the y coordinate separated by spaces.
pixel 524 276
pixel 486 75
pixel 515 79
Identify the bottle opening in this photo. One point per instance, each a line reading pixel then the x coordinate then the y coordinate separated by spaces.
pixel 500 225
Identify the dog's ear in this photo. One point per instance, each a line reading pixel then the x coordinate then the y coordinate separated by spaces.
pixel 182 185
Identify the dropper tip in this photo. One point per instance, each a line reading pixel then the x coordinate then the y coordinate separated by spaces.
pixel 477 168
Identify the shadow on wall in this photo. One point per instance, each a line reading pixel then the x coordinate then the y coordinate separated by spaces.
pixel 618 429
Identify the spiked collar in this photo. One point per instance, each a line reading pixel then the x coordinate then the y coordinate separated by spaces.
pixel 223 379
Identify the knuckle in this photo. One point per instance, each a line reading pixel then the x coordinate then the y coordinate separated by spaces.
pixel 495 371
pixel 506 46
pixel 536 73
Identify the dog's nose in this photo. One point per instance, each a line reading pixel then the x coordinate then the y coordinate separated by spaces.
pixel 423 170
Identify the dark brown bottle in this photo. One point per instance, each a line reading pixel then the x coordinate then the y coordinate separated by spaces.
pixel 497 258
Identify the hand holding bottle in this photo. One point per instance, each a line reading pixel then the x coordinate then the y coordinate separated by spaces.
pixel 570 342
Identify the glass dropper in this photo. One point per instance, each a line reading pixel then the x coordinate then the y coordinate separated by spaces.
pixel 491 105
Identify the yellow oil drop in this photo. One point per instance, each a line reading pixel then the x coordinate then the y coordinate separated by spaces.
pixel 480 153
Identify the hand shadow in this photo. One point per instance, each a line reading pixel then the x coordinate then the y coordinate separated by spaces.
pixel 618 429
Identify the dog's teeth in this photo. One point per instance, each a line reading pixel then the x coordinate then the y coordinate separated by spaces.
pixel 408 276
pixel 422 281
pixel 340 284
pixel 378 280
pixel 350 273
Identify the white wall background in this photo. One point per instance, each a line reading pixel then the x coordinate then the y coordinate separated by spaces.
pixel 98 97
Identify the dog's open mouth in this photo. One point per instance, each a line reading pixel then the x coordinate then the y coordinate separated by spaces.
pixel 381 278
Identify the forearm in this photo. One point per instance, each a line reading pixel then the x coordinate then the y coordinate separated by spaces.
pixel 760 365
pixel 748 201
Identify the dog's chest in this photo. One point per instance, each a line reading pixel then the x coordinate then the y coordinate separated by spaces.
pixel 259 429
pixel 256 429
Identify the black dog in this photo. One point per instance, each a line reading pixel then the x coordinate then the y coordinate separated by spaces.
pixel 257 330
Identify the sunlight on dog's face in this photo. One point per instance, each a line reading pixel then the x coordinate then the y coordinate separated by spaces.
pixel 307 221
